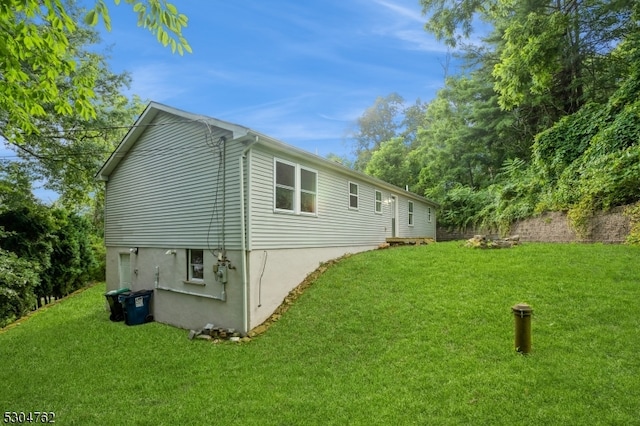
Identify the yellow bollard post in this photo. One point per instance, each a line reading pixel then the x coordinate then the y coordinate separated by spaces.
pixel 522 315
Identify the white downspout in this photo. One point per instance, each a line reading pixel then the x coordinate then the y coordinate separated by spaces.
pixel 243 237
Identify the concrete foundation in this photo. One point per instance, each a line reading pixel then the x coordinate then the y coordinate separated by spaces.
pixel 271 274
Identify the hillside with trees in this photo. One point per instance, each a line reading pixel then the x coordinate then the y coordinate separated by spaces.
pixel 543 117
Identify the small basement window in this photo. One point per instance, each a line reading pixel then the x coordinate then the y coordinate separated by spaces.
pixel 196 265
pixel 353 195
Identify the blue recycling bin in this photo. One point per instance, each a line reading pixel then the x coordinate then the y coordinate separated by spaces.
pixel 135 305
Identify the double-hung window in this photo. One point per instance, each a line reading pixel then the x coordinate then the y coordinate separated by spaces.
pixel 196 265
pixel 296 188
pixel 308 190
pixel 353 195
pixel 285 186
pixel 378 205
pixel 410 213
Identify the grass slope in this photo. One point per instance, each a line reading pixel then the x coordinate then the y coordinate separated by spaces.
pixel 409 335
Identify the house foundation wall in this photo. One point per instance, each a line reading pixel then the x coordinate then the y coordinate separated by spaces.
pixel 175 301
pixel 274 273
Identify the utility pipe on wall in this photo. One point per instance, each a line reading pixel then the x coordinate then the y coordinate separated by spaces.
pixel 243 238
pixel 157 286
pixel 190 293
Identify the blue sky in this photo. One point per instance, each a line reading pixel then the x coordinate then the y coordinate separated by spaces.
pixel 301 72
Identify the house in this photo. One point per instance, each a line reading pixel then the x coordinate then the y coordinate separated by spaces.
pixel 222 221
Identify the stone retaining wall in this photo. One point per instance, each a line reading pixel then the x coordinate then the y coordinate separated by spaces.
pixel 605 227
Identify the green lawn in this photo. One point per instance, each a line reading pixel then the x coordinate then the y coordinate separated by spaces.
pixel 415 335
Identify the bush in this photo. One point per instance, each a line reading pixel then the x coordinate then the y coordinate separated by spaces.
pixel 99 266
pixel 462 206
pixel 18 279
pixel 633 213
pixel 73 254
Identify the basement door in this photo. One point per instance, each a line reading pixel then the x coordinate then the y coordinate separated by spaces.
pixel 125 270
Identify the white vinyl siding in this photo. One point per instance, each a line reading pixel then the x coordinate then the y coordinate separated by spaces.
pixel 421 227
pixel 166 191
pixel 335 224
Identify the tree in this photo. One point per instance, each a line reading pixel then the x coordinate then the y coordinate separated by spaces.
pixel 17 283
pixel 71 248
pixel 549 72
pixel 54 244
pixel 340 159
pixel 27 230
pixel 452 21
pixel 550 53
pixel 390 163
pixel 159 16
pixel 591 159
pixel 15 185
pixel 465 136
pixel 41 70
pixel 387 118
pixel 67 149
pixel 380 122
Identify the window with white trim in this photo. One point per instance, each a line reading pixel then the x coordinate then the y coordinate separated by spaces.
pixel 308 190
pixel 195 260
pixel 295 188
pixel 410 213
pixel 353 195
pixel 285 187
pixel 429 214
pixel 378 202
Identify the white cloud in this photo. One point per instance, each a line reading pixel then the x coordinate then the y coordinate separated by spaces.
pixel 157 81
pixel 420 40
pixel 281 119
pixel 404 23
pixel 402 11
